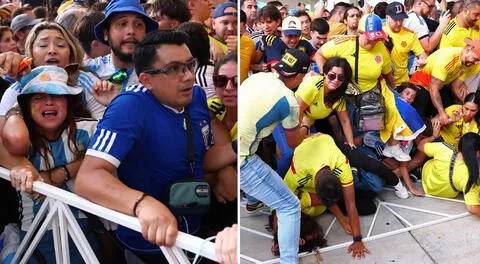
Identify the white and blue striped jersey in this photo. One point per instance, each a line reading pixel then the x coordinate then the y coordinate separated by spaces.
pixel 61 154
pixel 85 80
pixel 103 67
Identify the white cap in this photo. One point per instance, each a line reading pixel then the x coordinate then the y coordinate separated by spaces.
pixel 291 26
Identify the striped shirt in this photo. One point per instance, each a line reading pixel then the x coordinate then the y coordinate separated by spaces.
pixel 203 77
pixel 61 154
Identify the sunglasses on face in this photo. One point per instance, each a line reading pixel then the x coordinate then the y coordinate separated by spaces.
pixel 176 68
pixel 221 81
pixel 429 6
pixel 332 76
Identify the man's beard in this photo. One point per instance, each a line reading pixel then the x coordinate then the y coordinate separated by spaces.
pixel 125 57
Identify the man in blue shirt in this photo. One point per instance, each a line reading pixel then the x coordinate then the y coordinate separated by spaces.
pixel 143 137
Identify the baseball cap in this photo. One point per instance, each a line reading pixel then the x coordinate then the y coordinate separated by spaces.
pixel 396 11
pixel 119 6
pixel 46 79
pixel 475 44
pixel 21 21
pixel 291 26
pixel 371 25
pixel 292 63
pixel 220 9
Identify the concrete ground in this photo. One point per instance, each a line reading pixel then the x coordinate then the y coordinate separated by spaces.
pixel 454 241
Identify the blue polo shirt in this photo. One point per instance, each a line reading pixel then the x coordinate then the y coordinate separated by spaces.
pixel 147 142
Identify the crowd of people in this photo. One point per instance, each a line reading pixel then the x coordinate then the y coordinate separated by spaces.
pixel 120 102
pixel 339 100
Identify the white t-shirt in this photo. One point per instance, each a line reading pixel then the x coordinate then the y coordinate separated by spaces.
pixel 103 67
pixel 417 24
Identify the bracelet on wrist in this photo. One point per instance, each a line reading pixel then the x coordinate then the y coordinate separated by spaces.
pixel 307 127
pixel 13 111
pixel 137 201
pixel 357 238
pixel 66 173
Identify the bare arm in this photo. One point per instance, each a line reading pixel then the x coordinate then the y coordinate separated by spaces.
pixel 430 43
pixel 158 224
pixel 459 89
pixel 347 127
pixel 319 59
pixel 434 91
pixel 357 248
pixel 15 136
pixel 389 79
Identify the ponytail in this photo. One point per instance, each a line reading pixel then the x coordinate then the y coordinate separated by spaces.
pixel 468 146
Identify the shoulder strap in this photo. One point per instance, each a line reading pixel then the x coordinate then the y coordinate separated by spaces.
pixel 357 53
pixel 190 149
pixel 450 172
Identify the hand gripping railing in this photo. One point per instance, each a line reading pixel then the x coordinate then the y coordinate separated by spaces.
pixel 58 215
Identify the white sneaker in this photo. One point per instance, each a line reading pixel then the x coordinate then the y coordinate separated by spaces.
pixel 400 190
pixel 388 151
pixel 396 152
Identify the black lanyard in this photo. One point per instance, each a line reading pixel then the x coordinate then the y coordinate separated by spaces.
pixel 190 149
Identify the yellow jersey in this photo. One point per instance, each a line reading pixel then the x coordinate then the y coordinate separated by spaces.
pixel 337 28
pixel 307 161
pixel 435 174
pixel 247 53
pixel 454 35
pixel 404 42
pixel 312 92
pixel 454 131
pixel 446 65
pixel 372 63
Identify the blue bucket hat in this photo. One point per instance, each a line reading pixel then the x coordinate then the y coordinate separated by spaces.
pixel 119 6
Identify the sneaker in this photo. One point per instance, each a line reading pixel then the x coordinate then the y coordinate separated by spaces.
pixel 396 152
pixel 254 208
pixel 388 151
pixel 400 190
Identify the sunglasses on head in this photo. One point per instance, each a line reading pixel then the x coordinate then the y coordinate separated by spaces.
pixel 332 76
pixel 221 81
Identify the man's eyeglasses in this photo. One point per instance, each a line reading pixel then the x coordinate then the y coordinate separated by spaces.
pixel 221 81
pixel 176 68
pixel 429 6
pixel 332 76
pixel 119 76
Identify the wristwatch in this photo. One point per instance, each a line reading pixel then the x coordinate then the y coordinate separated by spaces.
pixel 357 238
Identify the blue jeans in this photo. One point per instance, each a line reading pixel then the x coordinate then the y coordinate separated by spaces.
pixel 262 182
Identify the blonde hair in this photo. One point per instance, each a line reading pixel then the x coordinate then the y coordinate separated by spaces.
pixel 76 51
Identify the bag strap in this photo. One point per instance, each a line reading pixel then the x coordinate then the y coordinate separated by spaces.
pixel 450 172
pixel 190 149
pixel 357 53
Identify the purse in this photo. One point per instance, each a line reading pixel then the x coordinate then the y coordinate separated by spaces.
pixel 189 196
pixel 369 106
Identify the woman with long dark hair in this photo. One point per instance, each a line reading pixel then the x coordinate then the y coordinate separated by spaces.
pixel 449 172
pixel 58 141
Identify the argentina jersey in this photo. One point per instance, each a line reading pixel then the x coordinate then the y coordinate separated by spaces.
pixel 103 67
pixel 60 154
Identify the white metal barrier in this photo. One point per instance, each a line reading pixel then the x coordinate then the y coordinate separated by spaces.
pixel 387 205
pixel 57 214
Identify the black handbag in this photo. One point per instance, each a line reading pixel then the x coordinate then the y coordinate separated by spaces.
pixel 189 196
pixel 369 106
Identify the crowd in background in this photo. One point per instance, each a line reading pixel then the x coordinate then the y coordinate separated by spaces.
pixel 344 97
pixel 117 101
